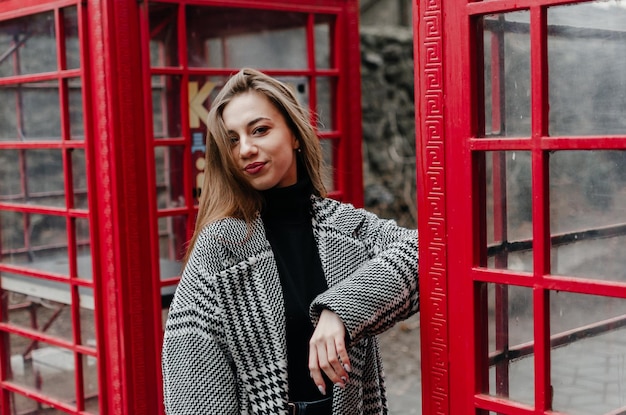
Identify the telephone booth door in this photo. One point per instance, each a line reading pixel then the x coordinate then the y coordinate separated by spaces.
pixel 522 206
pixel 102 127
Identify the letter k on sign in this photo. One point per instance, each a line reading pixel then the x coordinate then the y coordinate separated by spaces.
pixel 197 110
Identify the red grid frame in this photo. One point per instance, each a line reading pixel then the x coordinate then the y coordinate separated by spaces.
pixel 451 194
pixel 65 144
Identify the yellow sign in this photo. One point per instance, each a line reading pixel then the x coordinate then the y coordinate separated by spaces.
pixel 197 111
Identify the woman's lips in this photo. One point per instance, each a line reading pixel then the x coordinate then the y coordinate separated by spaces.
pixel 254 168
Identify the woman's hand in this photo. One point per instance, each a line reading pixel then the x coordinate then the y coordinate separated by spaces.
pixel 327 351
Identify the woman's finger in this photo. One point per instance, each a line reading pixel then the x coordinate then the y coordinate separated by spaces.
pixel 314 369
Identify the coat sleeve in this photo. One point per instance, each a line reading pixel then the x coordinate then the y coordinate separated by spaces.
pixel 198 373
pixel 384 289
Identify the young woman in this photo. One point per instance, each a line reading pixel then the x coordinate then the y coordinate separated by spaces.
pixel 284 289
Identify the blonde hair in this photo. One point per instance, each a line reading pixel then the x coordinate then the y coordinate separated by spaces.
pixel 225 191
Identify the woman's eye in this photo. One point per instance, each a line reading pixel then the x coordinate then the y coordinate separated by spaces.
pixel 233 140
pixel 260 130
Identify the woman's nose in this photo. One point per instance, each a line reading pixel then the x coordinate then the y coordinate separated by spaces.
pixel 246 147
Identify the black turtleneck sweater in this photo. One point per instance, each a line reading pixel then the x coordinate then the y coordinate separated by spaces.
pixel 287 219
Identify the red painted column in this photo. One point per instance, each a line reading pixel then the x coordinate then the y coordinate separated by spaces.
pixel 431 187
pixel 351 157
pixel 127 352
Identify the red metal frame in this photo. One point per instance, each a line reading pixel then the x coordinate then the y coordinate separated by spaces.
pixel 451 194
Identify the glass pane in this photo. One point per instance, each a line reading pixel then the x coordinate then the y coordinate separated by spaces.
pixel 30 111
pixel 40 115
pixel 26 43
pixel 328 151
pixel 323 37
pixel 325 108
pixel 12 237
pixel 510 331
pixel 34 240
pixel 75 97
pixel 72 45
pixel 163 34
pixel 87 324
pixel 166 106
pixel 41 367
pixel 11 186
pixel 507 74
pixel 172 244
pixel 79 178
pixel 44 178
pixel 588 353
pixel 170 166
pixel 588 213
pixel 509 210
pixel 90 384
pixel 586 55
pixel 83 249
pixel 36 313
pixel 8 113
pixel 234 38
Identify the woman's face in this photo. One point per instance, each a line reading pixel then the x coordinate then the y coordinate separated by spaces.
pixel 262 144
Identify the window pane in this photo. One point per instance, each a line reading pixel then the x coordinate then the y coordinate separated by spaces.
pixel 40 111
pixel 90 384
pixel 328 151
pixel 41 314
pixel 79 178
pixel 325 108
pixel 509 210
pixel 170 168
pixel 164 34
pixel 166 106
pixel 44 368
pixel 172 244
pixel 11 186
pixel 507 74
pixel 8 114
pixel 44 178
pixel 588 354
pixel 511 345
pixel 34 240
pixel 587 54
pixel 30 111
pixel 27 42
pixel 84 265
pixel 72 46
pixel 588 213
pixel 324 26
pixel 234 38
pixel 77 128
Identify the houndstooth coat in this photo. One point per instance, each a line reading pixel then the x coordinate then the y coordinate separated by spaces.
pixel 224 348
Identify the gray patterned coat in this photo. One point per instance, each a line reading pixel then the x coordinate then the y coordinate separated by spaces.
pixel 224 348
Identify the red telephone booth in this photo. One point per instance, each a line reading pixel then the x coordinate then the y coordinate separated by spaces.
pixel 521 206
pixel 101 155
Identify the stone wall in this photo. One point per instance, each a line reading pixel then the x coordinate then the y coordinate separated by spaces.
pixel 389 123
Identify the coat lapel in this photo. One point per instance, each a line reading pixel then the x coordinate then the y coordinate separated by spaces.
pixel 251 298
